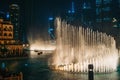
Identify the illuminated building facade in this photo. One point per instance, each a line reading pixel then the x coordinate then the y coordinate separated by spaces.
pixel 8 45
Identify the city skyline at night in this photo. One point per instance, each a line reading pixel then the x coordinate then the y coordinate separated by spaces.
pixel 37 12
pixel 34 14
pixel 60 39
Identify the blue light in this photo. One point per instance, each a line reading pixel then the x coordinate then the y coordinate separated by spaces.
pixel 26 65
pixel 50 18
pixel 84 6
pixel 73 10
pixel 50 29
pixel 69 11
pixel 3 65
pixel 7 15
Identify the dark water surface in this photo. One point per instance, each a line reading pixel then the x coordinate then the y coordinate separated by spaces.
pixel 37 69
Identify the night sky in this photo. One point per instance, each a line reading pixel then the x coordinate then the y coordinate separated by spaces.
pixel 34 13
pixel 40 10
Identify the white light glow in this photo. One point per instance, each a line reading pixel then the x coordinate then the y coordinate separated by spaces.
pixel 40 45
pixel 77 47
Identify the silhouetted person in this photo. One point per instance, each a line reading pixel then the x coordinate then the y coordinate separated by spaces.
pixel 90 72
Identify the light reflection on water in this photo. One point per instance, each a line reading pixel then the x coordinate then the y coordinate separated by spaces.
pixel 68 76
pixel 37 69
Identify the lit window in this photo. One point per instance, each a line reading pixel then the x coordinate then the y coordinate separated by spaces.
pixel 86 5
pixel 69 11
pixel 7 15
pixel 50 18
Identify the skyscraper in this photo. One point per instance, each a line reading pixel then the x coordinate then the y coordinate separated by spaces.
pixel 81 12
pixel 98 13
pixel 104 15
pixel 71 16
pixel 14 18
pixel 51 28
pixel 87 12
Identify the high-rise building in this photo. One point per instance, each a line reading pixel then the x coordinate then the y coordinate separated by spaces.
pixel 71 16
pixel 81 12
pixel 87 12
pixel 104 15
pixel 51 28
pixel 15 19
pixel 103 11
pixel 98 14
pixel 101 15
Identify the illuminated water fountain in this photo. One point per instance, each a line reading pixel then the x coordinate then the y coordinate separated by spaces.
pixel 76 47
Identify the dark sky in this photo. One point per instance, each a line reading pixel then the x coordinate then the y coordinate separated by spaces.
pixel 37 10
pixel 35 13
pixel 41 9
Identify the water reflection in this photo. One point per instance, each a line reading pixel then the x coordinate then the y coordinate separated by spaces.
pixel 37 69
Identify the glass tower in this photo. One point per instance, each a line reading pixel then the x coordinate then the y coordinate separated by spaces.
pixel 14 18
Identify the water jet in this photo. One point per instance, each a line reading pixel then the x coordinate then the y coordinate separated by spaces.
pixel 76 47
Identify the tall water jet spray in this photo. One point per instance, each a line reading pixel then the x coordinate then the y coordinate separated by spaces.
pixel 76 47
